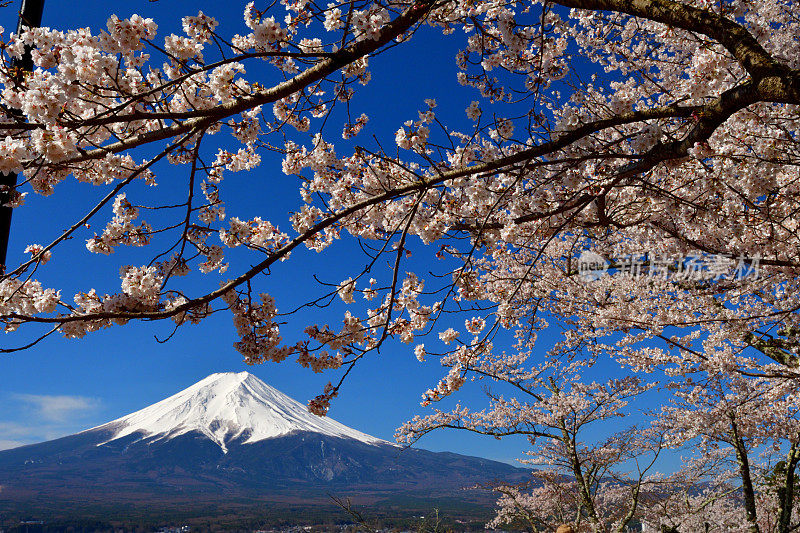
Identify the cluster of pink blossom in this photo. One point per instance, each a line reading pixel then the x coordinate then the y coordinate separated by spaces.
pixel 353 129
pixel 38 253
pixel 143 285
pixel 257 233
pixel 254 323
pixel 120 229
pixel 320 404
pixel 319 361
pixel 25 298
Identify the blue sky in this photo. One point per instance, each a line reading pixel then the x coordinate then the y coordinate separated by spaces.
pixel 62 386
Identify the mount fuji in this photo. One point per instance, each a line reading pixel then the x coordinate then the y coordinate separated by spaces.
pixel 229 407
pixel 231 434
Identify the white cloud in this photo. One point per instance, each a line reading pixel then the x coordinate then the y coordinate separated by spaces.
pixel 58 408
pixel 8 444
pixel 41 417
pixel 16 435
pixel 14 430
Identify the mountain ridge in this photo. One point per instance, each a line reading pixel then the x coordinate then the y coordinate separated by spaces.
pixel 222 444
pixel 224 406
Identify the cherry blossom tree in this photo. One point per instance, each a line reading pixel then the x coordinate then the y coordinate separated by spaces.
pixel 747 418
pixel 629 173
pixel 594 484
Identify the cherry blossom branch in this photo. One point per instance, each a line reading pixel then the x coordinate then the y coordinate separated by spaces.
pixel 104 201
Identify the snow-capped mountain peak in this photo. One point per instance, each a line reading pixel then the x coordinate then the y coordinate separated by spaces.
pixel 227 406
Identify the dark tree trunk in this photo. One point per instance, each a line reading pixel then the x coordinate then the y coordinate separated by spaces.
pixel 30 16
pixel 747 482
pixel 786 492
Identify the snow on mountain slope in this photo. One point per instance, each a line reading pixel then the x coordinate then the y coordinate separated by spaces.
pixel 225 406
